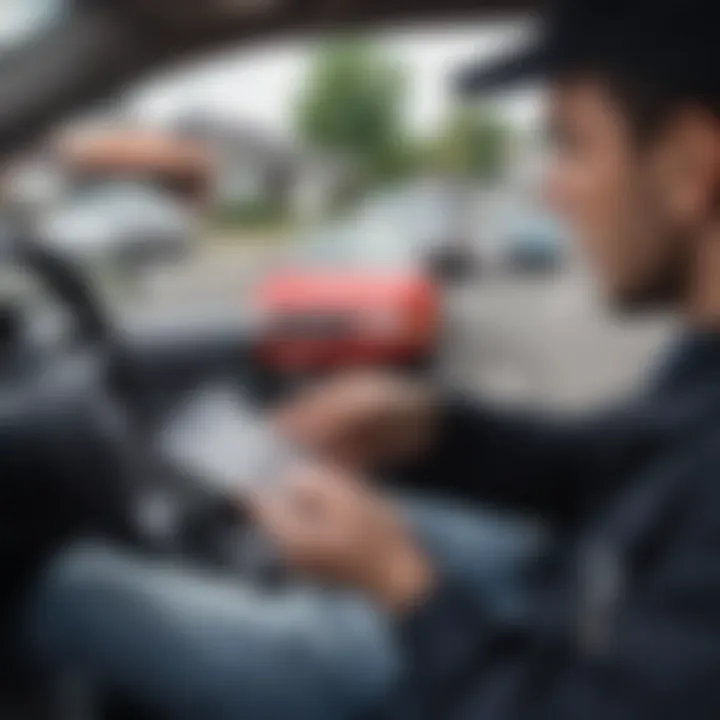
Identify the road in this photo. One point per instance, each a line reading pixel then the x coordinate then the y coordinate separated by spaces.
pixel 544 340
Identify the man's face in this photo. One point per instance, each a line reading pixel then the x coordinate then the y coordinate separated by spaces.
pixel 633 207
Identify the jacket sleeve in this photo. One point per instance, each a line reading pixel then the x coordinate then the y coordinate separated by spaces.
pixel 521 462
pixel 658 655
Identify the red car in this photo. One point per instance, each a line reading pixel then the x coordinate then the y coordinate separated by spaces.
pixel 356 293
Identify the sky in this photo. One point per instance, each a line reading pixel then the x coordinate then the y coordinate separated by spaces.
pixel 258 85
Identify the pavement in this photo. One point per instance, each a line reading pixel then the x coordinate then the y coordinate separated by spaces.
pixel 546 340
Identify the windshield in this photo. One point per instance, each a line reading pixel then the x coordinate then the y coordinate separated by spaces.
pixel 305 128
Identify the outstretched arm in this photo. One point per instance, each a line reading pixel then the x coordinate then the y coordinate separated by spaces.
pixel 377 422
pixel 487 454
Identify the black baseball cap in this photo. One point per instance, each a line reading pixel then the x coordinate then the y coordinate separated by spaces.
pixel 675 43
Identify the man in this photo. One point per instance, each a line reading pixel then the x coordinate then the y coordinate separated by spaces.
pixel 627 622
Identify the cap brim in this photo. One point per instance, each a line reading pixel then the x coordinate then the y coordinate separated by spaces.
pixel 524 66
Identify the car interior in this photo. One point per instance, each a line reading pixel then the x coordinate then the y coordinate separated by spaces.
pixel 104 405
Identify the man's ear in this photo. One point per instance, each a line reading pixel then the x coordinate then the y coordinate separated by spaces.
pixel 691 164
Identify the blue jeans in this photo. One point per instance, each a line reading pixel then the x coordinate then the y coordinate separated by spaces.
pixel 198 645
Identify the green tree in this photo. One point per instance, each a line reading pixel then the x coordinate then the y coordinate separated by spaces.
pixel 473 143
pixel 352 102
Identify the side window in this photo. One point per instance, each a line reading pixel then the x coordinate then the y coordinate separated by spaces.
pixel 327 184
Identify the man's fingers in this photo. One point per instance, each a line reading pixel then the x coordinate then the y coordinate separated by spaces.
pixel 327 525
pixel 324 433
pixel 309 516
pixel 337 420
pixel 289 530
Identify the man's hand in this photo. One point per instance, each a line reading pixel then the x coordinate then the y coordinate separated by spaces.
pixel 362 419
pixel 333 528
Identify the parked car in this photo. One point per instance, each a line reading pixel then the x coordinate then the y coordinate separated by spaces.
pixel 127 198
pixel 365 290
pixel 535 245
pixel 130 224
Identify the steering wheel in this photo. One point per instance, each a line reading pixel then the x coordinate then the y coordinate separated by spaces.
pixel 69 287
pixel 170 509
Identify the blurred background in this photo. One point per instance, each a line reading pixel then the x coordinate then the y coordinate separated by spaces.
pixel 332 193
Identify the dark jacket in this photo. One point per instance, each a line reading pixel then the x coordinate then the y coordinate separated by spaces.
pixel 626 619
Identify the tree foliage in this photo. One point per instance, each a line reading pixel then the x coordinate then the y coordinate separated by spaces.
pixel 352 103
pixel 474 143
